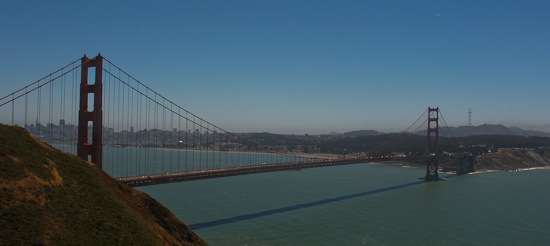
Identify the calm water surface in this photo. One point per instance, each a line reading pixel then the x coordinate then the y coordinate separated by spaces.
pixel 364 204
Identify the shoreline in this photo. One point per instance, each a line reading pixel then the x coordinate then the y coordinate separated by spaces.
pixel 325 156
pixel 485 164
pixel 530 168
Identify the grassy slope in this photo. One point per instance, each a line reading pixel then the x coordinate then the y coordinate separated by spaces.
pixel 511 159
pixel 50 197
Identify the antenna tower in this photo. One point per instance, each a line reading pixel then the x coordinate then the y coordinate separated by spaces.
pixel 470 117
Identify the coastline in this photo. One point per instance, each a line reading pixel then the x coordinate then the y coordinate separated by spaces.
pixel 325 156
pixel 532 168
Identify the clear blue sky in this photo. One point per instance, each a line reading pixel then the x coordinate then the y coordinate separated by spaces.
pixel 302 66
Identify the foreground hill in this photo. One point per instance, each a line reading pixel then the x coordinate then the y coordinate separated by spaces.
pixel 49 197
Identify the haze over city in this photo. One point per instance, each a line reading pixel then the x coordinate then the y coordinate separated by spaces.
pixel 303 66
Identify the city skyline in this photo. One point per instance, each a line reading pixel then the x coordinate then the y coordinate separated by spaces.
pixel 303 67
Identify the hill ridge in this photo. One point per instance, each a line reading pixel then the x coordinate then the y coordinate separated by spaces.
pixel 51 197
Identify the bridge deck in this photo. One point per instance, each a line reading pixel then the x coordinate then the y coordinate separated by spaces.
pixel 216 173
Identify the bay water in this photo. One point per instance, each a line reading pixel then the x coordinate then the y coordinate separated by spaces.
pixel 359 204
pixel 364 204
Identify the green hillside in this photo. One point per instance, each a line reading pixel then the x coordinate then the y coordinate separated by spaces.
pixel 50 197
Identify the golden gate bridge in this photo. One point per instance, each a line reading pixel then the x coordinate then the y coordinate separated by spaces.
pixel 142 138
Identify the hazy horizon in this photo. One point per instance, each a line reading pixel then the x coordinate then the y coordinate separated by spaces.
pixel 541 128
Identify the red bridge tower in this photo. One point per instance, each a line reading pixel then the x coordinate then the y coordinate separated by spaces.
pixel 432 143
pixel 84 149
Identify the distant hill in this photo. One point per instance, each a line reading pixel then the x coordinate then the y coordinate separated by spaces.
pixel 48 197
pixel 362 133
pixel 495 136
pixel 465 131
pixel 397 142
pixel 513 159
pixel 487 129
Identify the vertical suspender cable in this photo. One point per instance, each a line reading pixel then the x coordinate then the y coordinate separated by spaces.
pixel 12 108
pixel 119 164
pixel 138 130
pixel 73 108
pixel 147 133
pixel 133 132
pixel 112 108
pixel 105 166
pixel 50 112
pixel 171 139
pixel 107 116
pixel 124 134
pixel 225 147
pixel 128 133
pixel 62 113
pixel 155 133
pixel 207 146
pixel 187 141
pixel 221 147
pixel 26 107
pixel 200 146
pixel 163 135
pixel 193 151
pixel 178 141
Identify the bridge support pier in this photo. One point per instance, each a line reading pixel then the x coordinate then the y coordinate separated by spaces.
pixel 84 148
pixel 432 162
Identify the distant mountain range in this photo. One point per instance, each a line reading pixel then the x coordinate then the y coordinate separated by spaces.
pixel 361 133
pixel 465 131
pixel 496 136
pixel 460 131
pixel 487 129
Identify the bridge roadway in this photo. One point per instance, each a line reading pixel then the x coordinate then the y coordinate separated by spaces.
pixel 233 171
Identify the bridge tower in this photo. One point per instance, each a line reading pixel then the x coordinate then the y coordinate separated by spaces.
pixel 432 143
pixel 84 148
